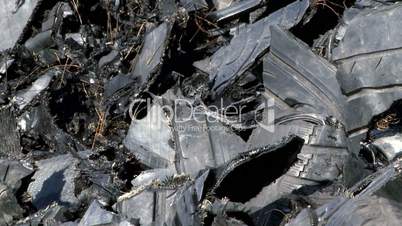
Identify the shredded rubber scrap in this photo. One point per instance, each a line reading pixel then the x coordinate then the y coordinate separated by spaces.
pixel 200 112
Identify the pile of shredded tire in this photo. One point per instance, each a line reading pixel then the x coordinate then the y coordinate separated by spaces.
pixel 200 112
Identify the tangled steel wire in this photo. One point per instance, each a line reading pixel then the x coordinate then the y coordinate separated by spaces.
pixel 384 123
